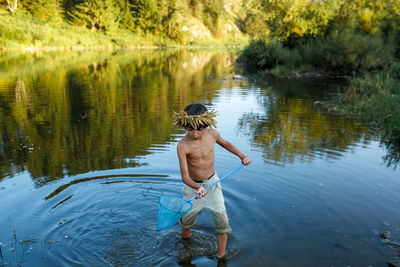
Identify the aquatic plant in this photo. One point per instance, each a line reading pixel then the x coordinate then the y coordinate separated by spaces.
pixel 376 97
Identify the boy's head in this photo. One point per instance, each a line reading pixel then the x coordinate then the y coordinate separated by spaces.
pixel 195 116
pixel 195 109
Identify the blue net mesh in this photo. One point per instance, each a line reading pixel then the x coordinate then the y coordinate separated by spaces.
pixel 172 208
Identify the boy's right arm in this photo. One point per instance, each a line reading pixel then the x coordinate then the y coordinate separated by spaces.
pixel 182 154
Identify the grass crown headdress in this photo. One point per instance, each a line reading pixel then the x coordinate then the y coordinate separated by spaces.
pixel 182 119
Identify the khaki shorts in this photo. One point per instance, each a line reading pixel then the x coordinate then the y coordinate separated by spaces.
pixel 213 201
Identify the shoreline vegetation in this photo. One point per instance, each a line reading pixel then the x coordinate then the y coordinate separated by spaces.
pixel 122 24
pixel 26 33
pixel 358 40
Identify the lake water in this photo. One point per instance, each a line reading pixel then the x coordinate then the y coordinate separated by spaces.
pixel 87 148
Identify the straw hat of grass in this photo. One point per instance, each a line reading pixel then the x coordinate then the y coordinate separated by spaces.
pixel 182 119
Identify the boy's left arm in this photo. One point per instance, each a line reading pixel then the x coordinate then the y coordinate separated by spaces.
pixel 231 148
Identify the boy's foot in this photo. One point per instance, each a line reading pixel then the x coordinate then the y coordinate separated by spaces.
pixel 222 262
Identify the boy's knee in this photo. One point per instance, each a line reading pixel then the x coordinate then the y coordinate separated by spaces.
pixel 187 223
pixel 223 230
pixel 222 224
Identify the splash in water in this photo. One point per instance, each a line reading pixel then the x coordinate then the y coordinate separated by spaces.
pixel 201 244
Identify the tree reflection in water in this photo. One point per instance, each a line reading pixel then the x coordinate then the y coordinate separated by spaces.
pixel 74 112
pixel 291 128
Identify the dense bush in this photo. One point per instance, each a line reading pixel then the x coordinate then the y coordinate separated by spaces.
pixel 267 55
pixel 376 97
pixel 338 36
pixel 341 52
pixel 348 51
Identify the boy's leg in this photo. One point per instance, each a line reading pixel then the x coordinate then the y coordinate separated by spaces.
pixel 221 240
pixel 189 219
pixel 186 233
pixel 218 210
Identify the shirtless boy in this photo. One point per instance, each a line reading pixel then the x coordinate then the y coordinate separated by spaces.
pixel 196 159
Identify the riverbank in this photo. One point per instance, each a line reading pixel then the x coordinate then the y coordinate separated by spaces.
pixel 376 98
pixel 27 33
pixel 372 71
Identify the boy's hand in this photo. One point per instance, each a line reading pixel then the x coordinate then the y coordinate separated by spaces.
pixel 246 160
pixel 202 192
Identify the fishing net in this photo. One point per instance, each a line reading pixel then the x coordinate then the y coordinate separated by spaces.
pixel 172 208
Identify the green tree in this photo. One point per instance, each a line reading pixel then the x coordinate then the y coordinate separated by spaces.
pixel 213 12
pixel 68 5
pixel 290 19
pixel 254 23
pixel 44 9
pixel 96 14
pixel 368 16
pixel 12 5
pixel 127 20
pixel 148 15
pixel 196 7
pixel 173 18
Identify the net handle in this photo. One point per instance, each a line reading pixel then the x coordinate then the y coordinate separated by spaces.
pixel 219 180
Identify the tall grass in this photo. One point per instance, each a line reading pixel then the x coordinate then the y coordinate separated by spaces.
pixel 240 43
pixel 376 97
pixel 24 31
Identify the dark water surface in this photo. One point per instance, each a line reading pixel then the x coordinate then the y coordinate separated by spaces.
pixel 87 148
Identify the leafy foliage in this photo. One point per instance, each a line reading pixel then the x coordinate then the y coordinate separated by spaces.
pixel 293 19
pixel 377 97
pixel 212 15
pixel 181 21
pixel 96 14
pixel 44 9
pixel 267 55
pixel 347 51
pixel 339 36
pixel 358 37
pixel 148 15
pixel 255 20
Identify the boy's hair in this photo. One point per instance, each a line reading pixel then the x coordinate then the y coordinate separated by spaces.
pixel 195 116
pixel 195 109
